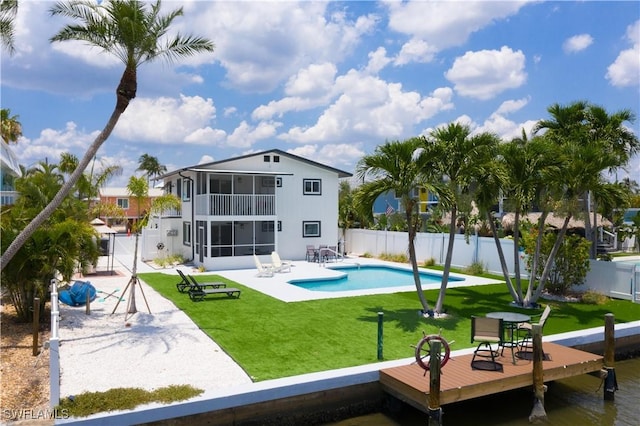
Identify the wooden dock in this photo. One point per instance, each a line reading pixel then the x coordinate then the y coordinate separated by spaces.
pixel 460 382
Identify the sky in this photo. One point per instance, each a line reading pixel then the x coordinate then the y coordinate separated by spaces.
pixel 328 81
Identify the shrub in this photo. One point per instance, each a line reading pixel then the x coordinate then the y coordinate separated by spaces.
pixel 476 268
pixel 399 258
pixel 429 262
pixel 570 265
pixel 592 297
pixel 89 403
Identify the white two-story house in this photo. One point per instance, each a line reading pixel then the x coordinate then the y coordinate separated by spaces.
pixel 257 203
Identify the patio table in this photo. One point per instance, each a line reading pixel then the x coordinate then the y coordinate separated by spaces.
pixel 510 321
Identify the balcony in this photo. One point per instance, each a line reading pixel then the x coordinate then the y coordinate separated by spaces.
pixel 8 198
pixel 236 205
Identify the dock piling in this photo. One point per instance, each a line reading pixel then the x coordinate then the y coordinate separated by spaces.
pixel 538 412
pixel 380 335
pixel 610 381
pixel 435 410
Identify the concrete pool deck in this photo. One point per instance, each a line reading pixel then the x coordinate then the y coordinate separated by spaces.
pixel 278 286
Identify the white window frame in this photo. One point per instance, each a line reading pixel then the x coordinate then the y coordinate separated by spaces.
pixel 308 231
pixel 123 203
pixel 312 190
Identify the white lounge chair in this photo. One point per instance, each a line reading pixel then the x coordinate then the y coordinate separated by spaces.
pixel 278 264
pixel 263 270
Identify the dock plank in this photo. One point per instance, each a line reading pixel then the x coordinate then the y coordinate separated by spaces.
pixel 460 382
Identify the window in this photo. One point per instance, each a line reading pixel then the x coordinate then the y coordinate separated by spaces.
pixel 276 158
pixel 311 229
pixel 279 226
pixel 178 188
pixel 123 203
pixel 186 190
pixel 268 181
pixel 186 233
pixel 267 159
pixel 312 186
pixel 279 182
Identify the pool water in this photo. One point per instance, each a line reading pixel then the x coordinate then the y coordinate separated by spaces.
pixel 368 277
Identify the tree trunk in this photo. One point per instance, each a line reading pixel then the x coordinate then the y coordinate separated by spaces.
pixel 447 262
pixel 414 262
pixel 536 258
pixel 134 278
pixel 125 92
pixel 503 262
pixel 552 256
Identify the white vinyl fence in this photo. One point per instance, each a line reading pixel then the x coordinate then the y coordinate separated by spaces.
pixel 54 346
pixel 615 279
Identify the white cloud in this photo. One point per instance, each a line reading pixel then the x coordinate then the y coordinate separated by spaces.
pixel 206 159
pixel 625 70
pixel 511 105
pixel 486 73
pixel 377 61
pixel 262 45
pixel 336 155
pixel 52 143
pixel 368 106
pixel 446 23
pixel 245 135
pixel 167 120
pixel 313 80
pixel 577 43
pixel 415 50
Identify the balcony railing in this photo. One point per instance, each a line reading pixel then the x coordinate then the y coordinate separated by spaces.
pixel 236 205
pixel 8 198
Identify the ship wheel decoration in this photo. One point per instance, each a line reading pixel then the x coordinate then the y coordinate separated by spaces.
pixel 423 350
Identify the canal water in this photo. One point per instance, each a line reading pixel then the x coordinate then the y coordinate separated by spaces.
pixel 575 401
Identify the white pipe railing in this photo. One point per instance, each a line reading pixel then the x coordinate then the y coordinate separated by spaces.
pixel 54 346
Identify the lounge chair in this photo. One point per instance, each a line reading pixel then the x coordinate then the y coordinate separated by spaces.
pixel 263 270
pixel 487 331
pixel 312 254
pixel 197 292
pixel 278 264
pixel 187 283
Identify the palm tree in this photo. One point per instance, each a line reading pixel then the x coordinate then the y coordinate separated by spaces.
pixel 89 184
pixel 392 167
pixel 151 166
pixel 459 159
pixel 8 11
pixel 10 127
pixel 135 35
pixel 138 188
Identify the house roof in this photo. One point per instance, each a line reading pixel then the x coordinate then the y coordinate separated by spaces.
pixel 124 193
pixel 9 160
pixel 555 221
pixel 207 166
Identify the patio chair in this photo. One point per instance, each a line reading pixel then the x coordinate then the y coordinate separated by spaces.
pixel 487 331
pixel 197 292
pixel 278 264
pixel 312 254
pixel 332 253
pixel 527 328
pixel 263 270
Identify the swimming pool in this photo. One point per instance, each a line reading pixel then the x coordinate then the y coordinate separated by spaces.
pixel 367 277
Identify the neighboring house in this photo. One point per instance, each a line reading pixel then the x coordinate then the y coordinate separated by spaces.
pixel 257 203
pixel 128 203
pixel 9 171
pixel 427 200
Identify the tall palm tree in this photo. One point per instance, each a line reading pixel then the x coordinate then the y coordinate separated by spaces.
pixel 8 11
pixel 393 168
pixel 460 158
pixel 138 188
pixel 151 166
pixel 10 126
pixel 135 35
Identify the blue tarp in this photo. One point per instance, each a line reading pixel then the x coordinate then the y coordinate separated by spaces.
pixel 77 294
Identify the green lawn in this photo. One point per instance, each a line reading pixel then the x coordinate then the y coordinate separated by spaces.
pixel 271 339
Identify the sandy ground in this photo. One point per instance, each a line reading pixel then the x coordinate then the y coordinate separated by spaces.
pixel 101 351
